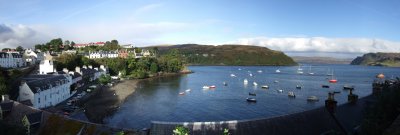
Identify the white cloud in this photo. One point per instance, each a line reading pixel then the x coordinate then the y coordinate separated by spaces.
pixel 322 44
pixel 12 36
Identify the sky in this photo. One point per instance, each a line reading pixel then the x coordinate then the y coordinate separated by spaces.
pixel 307 27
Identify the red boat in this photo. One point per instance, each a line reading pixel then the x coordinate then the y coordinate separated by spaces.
pixel 212 86
pixel 333 81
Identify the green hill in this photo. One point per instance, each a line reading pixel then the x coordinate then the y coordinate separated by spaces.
pixel 378 59
pixel 229 55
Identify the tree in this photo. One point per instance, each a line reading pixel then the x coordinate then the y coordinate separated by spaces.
pixel 180 130
pixel 5 49
pixel 38 47
pixel 3 86
pixel 55 44
pixel 67 47
pixel 72 44
pixel 19 49
pixel 154 67
pixel 66 42
pixel 104 79
pixel 114 42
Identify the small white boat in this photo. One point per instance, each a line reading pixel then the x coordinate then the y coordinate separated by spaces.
pixel 265 86
pixel 188 90
pixel 277 71
pixel 225 84
pixel 276 81
pixel 233 75
pixel 239 69
pixel 255 84
pixel 291 94
pixel 280 90
pixel 259 71
pixel 206 87
pixel 250 74
pixel 298 86
pixel 245 81
pixel 300 72
pixel 181 93
pixel 251 100
pixel 312 98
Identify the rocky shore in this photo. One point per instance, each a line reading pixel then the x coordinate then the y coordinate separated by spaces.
pixel 107 100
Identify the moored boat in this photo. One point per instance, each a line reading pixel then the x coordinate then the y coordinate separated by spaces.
pixel 325 86
pixel 212 86
pixel 181 93
pixel 251 100
pixel 277 71
pixel 206 87
pixel 312 98
pixel 188 90
pixel 259 71
pixel 348 87
pixel 245 81
pixel 233 75
pixel 225 84
pixel 291 94
pixel 252 94
pixel 265 86
pixel 255 84
pixel 298 86
pixel 280 90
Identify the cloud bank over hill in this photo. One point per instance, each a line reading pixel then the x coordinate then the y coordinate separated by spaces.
pixel 12 36
pixel 323 44
pixel 27 36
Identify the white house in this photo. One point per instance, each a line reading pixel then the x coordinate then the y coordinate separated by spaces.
pixel 30 56
pixel 46 66
pixel 11 60
pixel 102 54
pixel 45 90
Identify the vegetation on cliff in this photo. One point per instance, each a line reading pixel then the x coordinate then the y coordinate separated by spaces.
pixel 378 59
pixel 229 55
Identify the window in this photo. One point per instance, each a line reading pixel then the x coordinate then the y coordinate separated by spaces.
pixel 39 100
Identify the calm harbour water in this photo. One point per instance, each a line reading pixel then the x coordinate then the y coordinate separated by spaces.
pixel 159 99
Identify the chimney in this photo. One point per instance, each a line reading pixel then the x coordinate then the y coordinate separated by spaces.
pixel 65 70
pixel 77 69
pixel 331 103
pixel 5 98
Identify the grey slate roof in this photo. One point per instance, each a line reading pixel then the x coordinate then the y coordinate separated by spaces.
pixel 34 118
pixel 44 81
pixel 14 55
pixel 27 102
pixel 6 106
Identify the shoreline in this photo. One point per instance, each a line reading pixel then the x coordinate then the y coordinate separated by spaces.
pixel 107 99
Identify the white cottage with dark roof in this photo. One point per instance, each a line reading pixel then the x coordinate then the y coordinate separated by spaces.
pixel 45 90
pixel 46 66
pixel 11 60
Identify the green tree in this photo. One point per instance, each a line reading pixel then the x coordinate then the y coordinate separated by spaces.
pixel 5 49
pixel 180 130
pixel 38 47
pixel 154 67
pixel 66 42
pixel 55 44
pixel 3 86
pixel 19 49
pixel 104 79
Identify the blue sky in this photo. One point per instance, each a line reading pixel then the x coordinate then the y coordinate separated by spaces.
pixel 349 26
